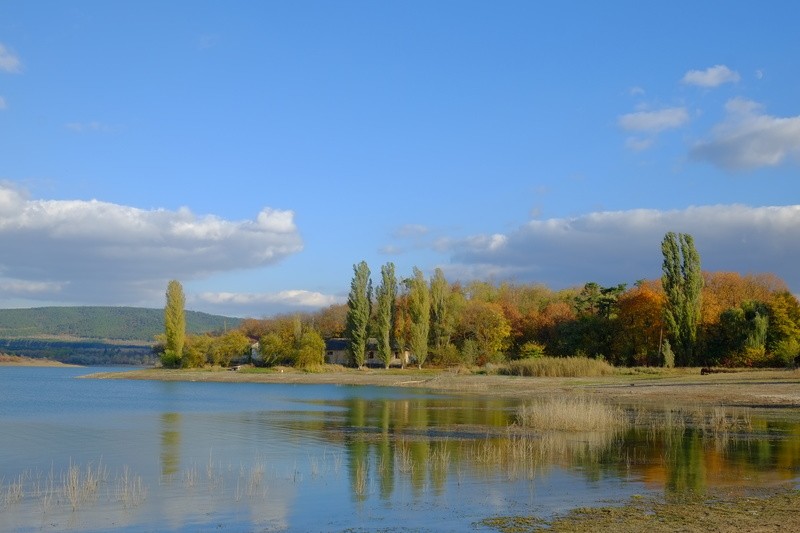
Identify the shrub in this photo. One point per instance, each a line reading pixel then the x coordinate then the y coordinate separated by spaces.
pixel 169 359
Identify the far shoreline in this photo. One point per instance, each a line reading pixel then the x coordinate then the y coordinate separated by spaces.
pixel 18 360
pixel 681 387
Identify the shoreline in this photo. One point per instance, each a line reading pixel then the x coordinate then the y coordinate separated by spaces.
pixel 751 388
pixel 18 360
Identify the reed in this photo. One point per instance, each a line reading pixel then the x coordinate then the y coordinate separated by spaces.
pixel 80 487
pixel 129 489
pixel 570 414
pixel 558 367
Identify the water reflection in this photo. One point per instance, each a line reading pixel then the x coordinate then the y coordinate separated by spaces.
pixel 367 458
pixel 170 443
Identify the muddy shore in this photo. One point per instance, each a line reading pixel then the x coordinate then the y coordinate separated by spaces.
pixel 758 388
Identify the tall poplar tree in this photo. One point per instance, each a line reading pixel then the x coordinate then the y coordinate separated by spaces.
pixel 385 296
pixel 419 308
pixel 174 324
pixel 682 281
pixel 359 308
pixel 442 313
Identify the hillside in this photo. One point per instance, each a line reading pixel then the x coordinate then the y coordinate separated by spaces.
pixel 101 323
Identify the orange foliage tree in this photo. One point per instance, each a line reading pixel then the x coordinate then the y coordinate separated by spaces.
pixel 640 326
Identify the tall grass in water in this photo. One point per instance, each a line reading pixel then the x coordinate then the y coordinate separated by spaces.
pixel 80 487
pixel 570 414
pixel 558 367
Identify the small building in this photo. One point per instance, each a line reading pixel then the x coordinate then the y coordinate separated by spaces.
pixel 337 353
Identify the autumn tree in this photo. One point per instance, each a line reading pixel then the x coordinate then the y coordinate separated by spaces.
pixel 682 281
pixel 385 296
pixel 331 322
pixel 783 334
pixel 419 308
pixel 485 325
pixel 639 326
pixel 359 309
pixel 174 324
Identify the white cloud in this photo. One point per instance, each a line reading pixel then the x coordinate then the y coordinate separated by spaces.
pixel 711 77
pixel 2 103
pixel 104 253
pixel 9 62
pixel 624 246
pixel 290 297
pixel 748 138
pixel 262 304
pixel 654 121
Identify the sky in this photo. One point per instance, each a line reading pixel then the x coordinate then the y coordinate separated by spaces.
pixel 257 150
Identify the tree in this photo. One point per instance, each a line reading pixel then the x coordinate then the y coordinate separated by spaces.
pixel 419 308
pixel 174 324
pixel 359 309
pixel 442 311
pixel 682 281
pixel 310 349
pixel 485 324
pixel 639 326
pixel 385 296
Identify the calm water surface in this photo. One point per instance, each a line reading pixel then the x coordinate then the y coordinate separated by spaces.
pixel 99 455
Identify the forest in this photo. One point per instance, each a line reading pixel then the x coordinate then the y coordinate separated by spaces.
pixel 689 317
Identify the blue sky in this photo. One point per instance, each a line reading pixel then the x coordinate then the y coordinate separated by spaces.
pixel 256 150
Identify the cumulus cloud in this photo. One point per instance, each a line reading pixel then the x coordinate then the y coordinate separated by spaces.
pixel 748 138
pixel 711 77
pixel 104 253
pixel 9 62
pixel 654 121
pixel 624 246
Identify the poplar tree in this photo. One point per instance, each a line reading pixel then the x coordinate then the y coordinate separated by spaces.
pixel 385 296
pixel 419 308
pixel 442 315
pixel 359 308
pixel 174 324
pixel 682 281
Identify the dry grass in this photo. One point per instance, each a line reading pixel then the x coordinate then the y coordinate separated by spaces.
pixel 570 414
pixel 559 367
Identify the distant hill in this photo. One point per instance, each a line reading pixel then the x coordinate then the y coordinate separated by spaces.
pixel 101 323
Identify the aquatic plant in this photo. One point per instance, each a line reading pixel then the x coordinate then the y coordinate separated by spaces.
pixel 570 414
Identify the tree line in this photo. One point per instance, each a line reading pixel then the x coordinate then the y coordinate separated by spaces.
pixel 688 317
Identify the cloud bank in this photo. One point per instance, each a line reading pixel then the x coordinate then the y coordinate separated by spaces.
pixel 624 246
pixel 92 252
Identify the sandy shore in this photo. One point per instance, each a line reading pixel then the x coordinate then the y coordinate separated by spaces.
pixel 763 388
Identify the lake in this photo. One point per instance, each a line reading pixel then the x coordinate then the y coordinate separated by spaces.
pixel 99 455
